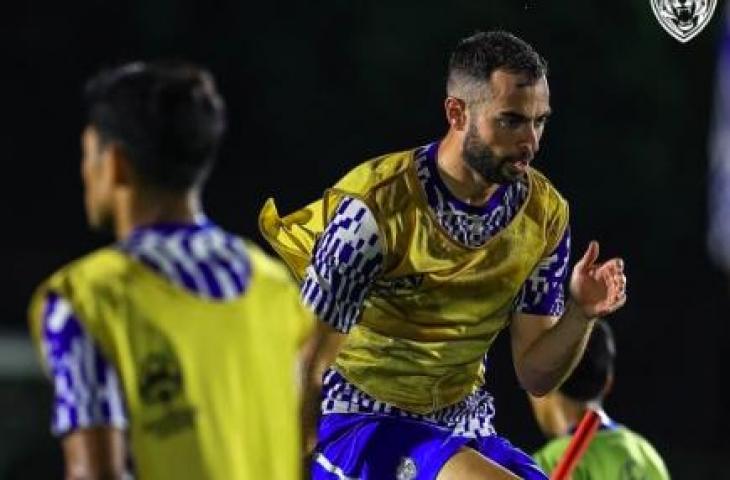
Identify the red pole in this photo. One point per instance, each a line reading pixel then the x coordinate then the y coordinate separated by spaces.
pixel 578 444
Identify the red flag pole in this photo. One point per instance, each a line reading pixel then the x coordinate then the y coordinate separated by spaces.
pixel 582 437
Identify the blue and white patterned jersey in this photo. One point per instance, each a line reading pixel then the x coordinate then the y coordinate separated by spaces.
pixel 467 224
pixel 85 386
pixel 348 259
pixel 202 258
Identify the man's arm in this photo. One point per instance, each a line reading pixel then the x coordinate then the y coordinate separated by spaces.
pixel 346 261
pixel 545 348
pixel 95 454
pixel 88 407
pixel 318 354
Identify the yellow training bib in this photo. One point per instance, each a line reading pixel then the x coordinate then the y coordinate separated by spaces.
pixel 209 385
pixel 438 305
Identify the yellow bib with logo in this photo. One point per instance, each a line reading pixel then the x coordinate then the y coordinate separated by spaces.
pixel 209 386
pixel 438 305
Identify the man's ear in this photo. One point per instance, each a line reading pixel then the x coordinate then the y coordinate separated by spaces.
pixel 608 386
pixel 455 109
pixel 120 165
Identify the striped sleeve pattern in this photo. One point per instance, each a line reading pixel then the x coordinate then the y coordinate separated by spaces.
pixel 543 293
pixel 86 389
pixel 347 260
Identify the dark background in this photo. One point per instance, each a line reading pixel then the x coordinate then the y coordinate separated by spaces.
pixel 313 88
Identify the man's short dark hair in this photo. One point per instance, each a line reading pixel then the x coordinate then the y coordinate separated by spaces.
pixel 588 380
pixel 478 56
pixel 167 116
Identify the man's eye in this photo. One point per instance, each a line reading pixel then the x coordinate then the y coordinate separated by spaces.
pixel 511 123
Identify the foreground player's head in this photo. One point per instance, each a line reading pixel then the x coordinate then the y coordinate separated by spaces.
pixel 151 138
pixel 589 383
pixel 497 103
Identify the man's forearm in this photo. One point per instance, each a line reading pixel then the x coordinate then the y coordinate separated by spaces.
pixel 310 411
pixel 554 354
pixel 317 356
pixel 97 453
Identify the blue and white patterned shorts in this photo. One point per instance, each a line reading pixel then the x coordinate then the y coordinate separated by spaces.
pixel 373 447
pixel 362 438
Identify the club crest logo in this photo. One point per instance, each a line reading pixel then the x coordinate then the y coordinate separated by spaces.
pixel 164 408
pixel 683 19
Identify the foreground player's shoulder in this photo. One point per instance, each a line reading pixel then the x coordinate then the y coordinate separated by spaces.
pixel 280 291
pixel 90 277
pixel 92 272
pixel 100 267
pixel 266 267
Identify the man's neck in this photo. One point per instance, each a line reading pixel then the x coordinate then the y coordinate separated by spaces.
pixel 461 180
pixel 138 209
pixel 574 411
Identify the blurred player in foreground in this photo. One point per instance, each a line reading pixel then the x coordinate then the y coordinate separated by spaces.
pixel 615 452
pixel 416 260
pixel 176 346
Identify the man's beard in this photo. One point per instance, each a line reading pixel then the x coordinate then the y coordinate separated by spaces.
pixel 480 157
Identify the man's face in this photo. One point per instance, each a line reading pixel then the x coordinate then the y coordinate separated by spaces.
pixel 97 176
pixel 504 131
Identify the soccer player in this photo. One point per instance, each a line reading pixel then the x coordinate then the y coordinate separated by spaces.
pixel 416 260
pixel 174 348
pixel 615 451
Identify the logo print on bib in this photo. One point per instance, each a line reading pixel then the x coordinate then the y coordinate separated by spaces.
pixel 683 19
pixel 165 409
pixel 406 470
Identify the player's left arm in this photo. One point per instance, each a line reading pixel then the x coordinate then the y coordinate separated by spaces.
pixel 89 416
pixel 95 453
pixel 546 347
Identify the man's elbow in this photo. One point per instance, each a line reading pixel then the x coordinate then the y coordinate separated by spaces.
pixel 536 382
pixel 538 392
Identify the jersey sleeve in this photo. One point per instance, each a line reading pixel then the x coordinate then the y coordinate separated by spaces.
pixel 347 259
pixel 86 388
pixel 543 293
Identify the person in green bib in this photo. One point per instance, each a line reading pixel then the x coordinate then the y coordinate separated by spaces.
pixel 615 452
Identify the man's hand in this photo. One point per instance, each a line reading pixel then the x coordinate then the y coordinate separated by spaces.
pixel 598 289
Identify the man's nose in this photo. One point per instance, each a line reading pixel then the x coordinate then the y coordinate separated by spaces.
pixel 530 140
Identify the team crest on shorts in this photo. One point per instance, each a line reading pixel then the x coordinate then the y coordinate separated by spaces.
pixel 406 470
pixel 683 19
